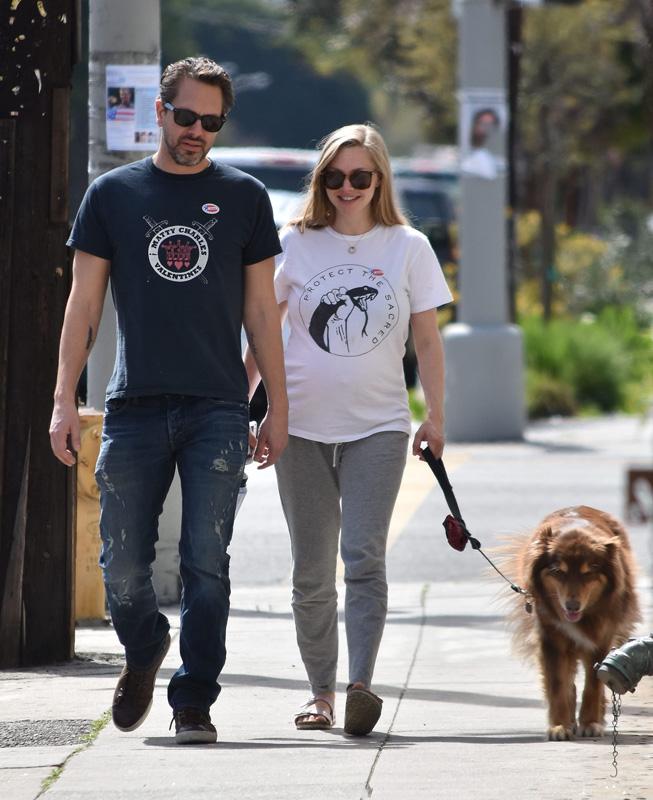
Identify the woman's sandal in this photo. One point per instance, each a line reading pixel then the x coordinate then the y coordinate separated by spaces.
pixel 362 711
pixel 310 718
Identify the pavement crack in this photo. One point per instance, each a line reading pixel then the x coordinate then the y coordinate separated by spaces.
pixel 87 741
pixel 368 789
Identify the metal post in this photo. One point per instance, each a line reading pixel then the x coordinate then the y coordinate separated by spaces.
pixel 120 32
pixel 124 32
pixel 484 397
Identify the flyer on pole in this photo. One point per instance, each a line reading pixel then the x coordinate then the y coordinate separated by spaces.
pixel 131 118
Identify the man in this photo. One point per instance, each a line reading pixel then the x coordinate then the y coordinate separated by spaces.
pixel 481 160
pixel 189 245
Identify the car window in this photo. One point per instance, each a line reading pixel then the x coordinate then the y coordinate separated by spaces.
pixel 288 179
pixel 422 205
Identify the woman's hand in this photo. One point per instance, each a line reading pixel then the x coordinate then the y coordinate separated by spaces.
pixel 433 435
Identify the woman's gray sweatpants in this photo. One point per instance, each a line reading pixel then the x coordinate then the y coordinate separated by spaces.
pixel 348 489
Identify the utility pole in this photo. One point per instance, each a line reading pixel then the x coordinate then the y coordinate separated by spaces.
pixel 514 23
pixel 39 45
pixel 121 32
pixel 484 394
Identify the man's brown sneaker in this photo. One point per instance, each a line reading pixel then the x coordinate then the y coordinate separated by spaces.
pixel 193 726
pixel 132 699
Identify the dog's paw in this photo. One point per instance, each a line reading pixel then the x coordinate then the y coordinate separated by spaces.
pixel 561 733
pixel 591 730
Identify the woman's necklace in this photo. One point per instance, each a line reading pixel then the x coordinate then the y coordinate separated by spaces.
pixel 352 242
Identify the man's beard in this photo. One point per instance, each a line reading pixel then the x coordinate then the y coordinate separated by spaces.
pixel 188 159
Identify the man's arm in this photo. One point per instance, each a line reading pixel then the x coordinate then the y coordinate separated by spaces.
pixel 80 326
pixel 253 374
pixel 263 328
pixel 430 363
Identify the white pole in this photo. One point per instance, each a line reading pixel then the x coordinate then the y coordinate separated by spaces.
pixel 125 32
pixel 120 32
pixel 484 392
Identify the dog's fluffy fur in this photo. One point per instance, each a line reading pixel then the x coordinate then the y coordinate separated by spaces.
pixel 578 568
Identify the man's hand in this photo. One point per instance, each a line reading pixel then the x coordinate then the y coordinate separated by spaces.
pixel 272 439
pixel 65 433
pixel 433 435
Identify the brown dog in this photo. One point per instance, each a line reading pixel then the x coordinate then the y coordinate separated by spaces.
pixel 579 570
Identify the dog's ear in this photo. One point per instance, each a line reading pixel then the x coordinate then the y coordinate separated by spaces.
pixel 612 542
pixel 610 548
pixel 539 553
pixel 613 567
pixel 540 541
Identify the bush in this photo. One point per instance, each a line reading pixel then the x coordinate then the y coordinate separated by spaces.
pixel 600 364
pixel 548 397
pixel 593 271
pixel 597 367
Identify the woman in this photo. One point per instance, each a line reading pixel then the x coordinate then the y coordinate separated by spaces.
pixel 352 276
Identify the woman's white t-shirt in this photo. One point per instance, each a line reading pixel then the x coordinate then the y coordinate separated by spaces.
pixel 348 315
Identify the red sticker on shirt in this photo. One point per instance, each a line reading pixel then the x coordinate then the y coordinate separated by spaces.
pixel 210 208
pixel 377 273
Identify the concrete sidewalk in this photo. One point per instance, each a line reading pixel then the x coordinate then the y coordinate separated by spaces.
pixel 462 718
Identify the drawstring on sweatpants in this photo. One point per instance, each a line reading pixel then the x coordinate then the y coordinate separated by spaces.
pixel 335 454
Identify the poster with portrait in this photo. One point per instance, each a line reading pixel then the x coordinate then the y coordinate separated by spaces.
pixel 131 90
pixel 482 132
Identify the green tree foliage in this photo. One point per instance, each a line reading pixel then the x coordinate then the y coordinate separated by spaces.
pixel 296 104
pixel 402 48
pixel 585 68
pixel 582 107
pixel 577 95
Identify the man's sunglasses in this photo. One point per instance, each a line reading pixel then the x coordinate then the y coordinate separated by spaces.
pixel 184 117
pixel 358 179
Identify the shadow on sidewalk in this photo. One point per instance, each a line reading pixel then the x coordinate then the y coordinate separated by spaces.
pixel 558 447
pixel 449 620
pixel 331 738
pixel 516 737
pixel 336 738
pixel 430 695
pixel 256 613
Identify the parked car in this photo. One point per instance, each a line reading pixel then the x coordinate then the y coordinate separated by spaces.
pixel 430 210
pixel 426 187
pixel 283 171
pixel 440 166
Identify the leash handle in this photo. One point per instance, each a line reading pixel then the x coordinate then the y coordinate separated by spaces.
pixel 437 468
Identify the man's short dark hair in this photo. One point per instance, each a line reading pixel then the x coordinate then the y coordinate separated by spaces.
pixel 199 69
pixel 491 111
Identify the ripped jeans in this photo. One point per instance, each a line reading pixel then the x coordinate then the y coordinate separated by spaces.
pixel 143 440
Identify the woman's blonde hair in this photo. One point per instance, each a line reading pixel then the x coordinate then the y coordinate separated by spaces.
pixel 318 211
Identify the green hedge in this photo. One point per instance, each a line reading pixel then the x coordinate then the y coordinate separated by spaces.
pixel 593 365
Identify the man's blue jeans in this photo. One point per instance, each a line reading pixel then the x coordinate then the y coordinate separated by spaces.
pixel 144 438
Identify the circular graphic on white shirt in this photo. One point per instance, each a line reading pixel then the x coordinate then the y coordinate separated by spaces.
pixel 349 309
pixel 178 253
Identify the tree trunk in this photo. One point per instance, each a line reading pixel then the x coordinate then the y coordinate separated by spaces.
pixel 514 18
pixel 548 186
pixel 548 248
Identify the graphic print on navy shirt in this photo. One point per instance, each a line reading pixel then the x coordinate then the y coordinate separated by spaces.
pixel 179 252
pixel 348 309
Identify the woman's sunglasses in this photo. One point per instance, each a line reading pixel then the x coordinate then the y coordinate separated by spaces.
pixel 184 117
pixel 358 179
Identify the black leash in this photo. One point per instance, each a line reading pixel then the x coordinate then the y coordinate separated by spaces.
pixel 455 527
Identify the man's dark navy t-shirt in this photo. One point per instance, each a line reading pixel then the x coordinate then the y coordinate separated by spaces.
pixel 178 246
